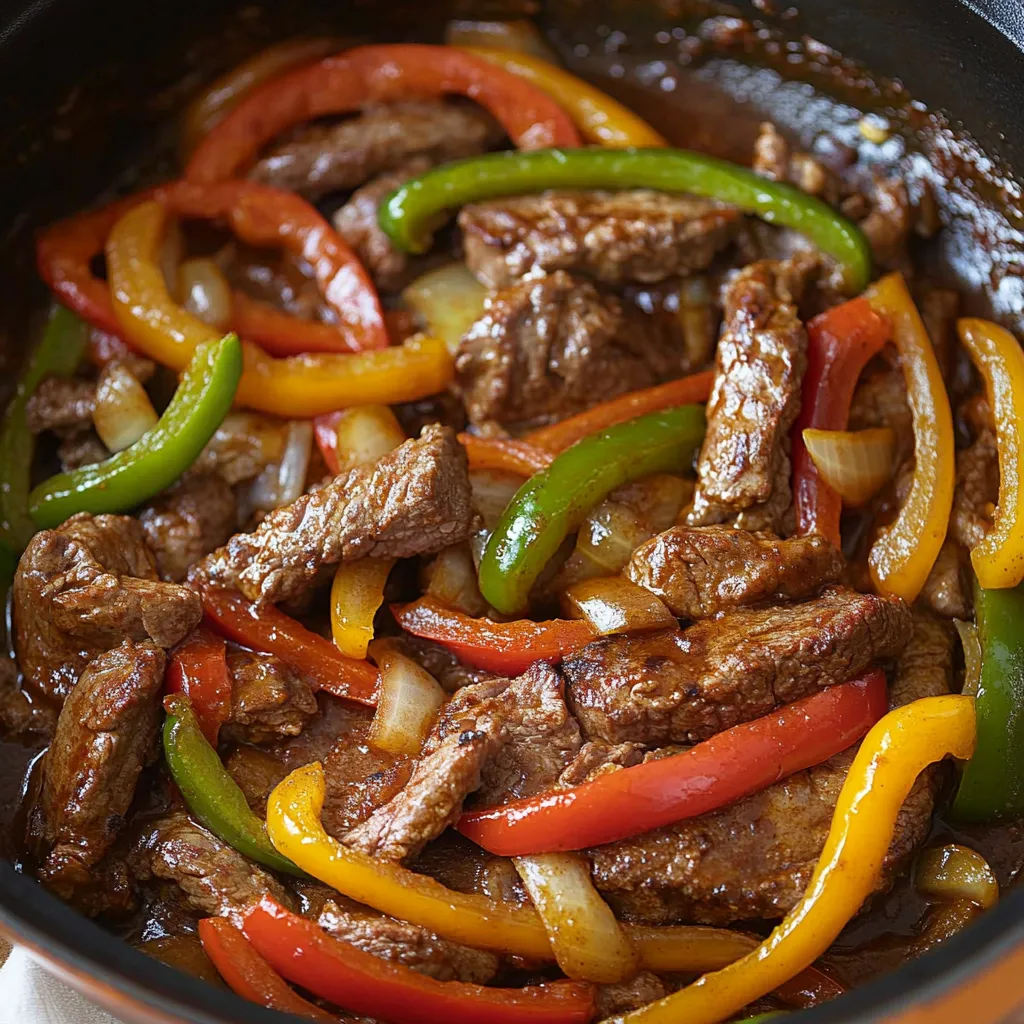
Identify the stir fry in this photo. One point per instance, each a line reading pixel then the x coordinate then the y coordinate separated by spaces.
pixel 473 560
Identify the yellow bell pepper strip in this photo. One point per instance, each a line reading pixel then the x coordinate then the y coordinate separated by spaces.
pixel 356 594
pixel 892 755
pixel 599 118
pixel 297 387
pixel 905 551
pixel 999 559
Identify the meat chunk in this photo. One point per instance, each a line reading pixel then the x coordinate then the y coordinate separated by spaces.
pixel 62 404
pixel 700 571
pixel 754 859
pixel 19 712
pixel 83 589
pixel 268 699
pixel 242 447
pixel 947 590
pixel 613 237
pixel 415 500
pixel 189 521
pixel 549 347
pixel 743 471
pixel 774 159
pixel 444 666
pixel 645 988
pixel 81 448
pixel 683 686
pixel 599 758
pixel 106 732
pixel 977 490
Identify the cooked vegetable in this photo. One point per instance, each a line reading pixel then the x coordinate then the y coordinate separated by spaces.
pixel 364 434
pixel 954 872
pixel 282 482
pixel 204 292
pixel 410 214
pixel 856 464
pixel 971 644
pixel 408 702
pixel 518 36
pixel 448 301
pixel 450 579
pixel 161 455
pixel 198 669
pixel 281 334
pixel 356 594
pixel 614 605
pixel 504 454
pixel 123 410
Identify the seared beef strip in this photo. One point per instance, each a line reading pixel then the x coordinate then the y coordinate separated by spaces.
pixel 754 859
pixel 415 500
pixel 700 571
pixel 444 666
pixel 645 988
pixel 82 448
pixel 242 447
pixel 62 404
pixel 676 686
pixel 615 237
pixel 105 733
pixel 977 482
pixel 268 699
pixel 600 758
pixel 947 590
pixel 83 589
pixel 743 470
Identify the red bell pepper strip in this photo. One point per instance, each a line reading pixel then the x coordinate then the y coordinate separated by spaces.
pixel 249 975
pixel 350 80
pixel 504 454
pixel 325 430
pixel 365 984
pixel 282 334
pixel 506 647
pixel 735 763
pixel 842 340
pixel 199 669
pixel 268 629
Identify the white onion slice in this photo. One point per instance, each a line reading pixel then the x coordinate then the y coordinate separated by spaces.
pixel 407 703
pixel 123 411
pixel 857 463
pixel 451 578
pixel 365 433
pixel 205 292
pixel 448 301
pixel 281 483
pixel 616 605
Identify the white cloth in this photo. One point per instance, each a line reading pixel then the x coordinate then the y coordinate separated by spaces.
pixel 30 995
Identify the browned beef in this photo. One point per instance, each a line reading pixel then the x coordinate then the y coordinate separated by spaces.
pixel 83 589
pixel 743 470
pixel 774 159
pixel 549 347
pixel 947 589
pixel 415 500
pixel 444 666
pixel 268 699
pixel 645 988
pixel 242 447
pixel 755 858
pixel 319 159
pixel 81 448
pixel 677 686
pixel 189 521
pixel 613 237
pixel 19 712
pixel 977 489
pixel 700 571
pixel 599 758
pixel 62 404
pixel 106 731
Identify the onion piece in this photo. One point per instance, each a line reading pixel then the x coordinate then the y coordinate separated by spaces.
pixel 588 942
pixel 492 491
pixel 697 321
pixel 451 578
pixel 281 483
pixel 854 463
pixel 365 433
pixel 172 252
pixel 954 872
pixel 448 300
pixel 407 704
pixel 204 291
pixel 518 36
pixel 971 644
pixel 123 410
pixel 616 605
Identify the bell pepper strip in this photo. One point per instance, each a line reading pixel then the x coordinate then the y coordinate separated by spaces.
pixel 600 119
pixel 841 341
pixel 365 984
pixel 198 668
pixel 325 430
pixel 504 454
pixel 903 554
pixel 161 455
pixel 356 594
pixel 281 334
pixel 411 213
pixel 350 80
pixel 888 762
pixel 551 504
pixel 729 766
pixel 249 975
pixel 508 648
pixel 210 792
pixel 57 354
pixel 992 784
pixel 999 559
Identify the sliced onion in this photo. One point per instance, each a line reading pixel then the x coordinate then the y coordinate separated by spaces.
pixel 588 942
pixel 365 433
pixel 656 499
pixel 857 463
pixel 281 483
pixel 615 605
pixel 971 643
pixel 519 36
pixel 954 872
pixel 451 578
pixel 448 301
pixel 407 703
pixel 492 491
pixel 697 321
pixel 123 411
pixel 172 252
pixel 204 291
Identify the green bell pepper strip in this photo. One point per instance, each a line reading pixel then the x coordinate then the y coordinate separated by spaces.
pixel 992 785
pixel 161 455
pixel 411 213
pixel 553 503
pixel 210 792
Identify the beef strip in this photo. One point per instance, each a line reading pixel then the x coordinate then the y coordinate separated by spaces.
pixel 414 500
pixel 268 699
pixel 644 989
pixel 700 571
pixel 444 666
pixel 754 859
pixel 600 758
pixel 615 237
pixel 552 346
pixel 81 448
pixel 676 686
pixel 977 486
pixel 193 518
pixel 242 447
pixel 947 590
pixel 61 404
pixel 743 469
pixel 82 589
pixel 105 733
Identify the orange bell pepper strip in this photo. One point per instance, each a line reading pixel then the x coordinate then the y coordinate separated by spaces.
pixel 198 668
pixel 504 454
pixel 903 554
pixel 377 74
pixel 999 559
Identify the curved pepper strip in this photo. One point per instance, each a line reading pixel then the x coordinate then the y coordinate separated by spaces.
pixel 904 553
pixel 281 334
pixel 198 669
pixel 347 82
pixel 841 341
pixel 504 454
pixel 551 504
pixel 161 455
pixel 887 764
pixel 999 559
pixel 599 118
pixel 411 213
pixel 356 594
pixel 735 763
